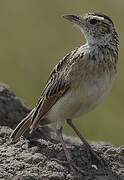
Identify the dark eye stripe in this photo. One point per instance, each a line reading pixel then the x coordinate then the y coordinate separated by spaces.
pixel 101 15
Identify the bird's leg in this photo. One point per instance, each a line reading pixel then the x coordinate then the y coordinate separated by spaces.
pixel 88 147
pixel 73 167
pixel 60 136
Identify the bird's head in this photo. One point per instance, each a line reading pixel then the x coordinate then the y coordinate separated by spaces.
pixel 95 26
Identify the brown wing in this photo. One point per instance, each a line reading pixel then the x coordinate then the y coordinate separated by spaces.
pixel 56 87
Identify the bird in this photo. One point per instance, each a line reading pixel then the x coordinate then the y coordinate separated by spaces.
pixel 79 82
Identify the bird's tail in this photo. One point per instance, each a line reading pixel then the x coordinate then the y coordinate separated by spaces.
pixel 22 127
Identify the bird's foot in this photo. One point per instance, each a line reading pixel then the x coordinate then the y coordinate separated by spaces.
pixel 73 167
pixel 97 160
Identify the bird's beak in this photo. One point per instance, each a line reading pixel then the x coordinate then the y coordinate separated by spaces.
pixel 73 18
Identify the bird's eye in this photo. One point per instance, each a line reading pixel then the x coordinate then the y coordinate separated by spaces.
pixel 93 21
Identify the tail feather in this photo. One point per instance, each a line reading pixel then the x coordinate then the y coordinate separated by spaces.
pixel 22 127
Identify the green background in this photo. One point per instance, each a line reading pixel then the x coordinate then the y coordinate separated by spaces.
pixel 34 36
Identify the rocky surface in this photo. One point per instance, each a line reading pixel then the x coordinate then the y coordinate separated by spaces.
pixel 39 157
pixel 12 109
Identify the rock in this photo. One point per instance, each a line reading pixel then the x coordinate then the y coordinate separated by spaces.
pixel 12 109
pixel 40 157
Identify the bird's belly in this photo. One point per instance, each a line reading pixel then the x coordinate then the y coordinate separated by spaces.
pixel 80 100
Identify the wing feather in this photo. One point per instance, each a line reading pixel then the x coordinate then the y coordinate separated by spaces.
pixel 56 87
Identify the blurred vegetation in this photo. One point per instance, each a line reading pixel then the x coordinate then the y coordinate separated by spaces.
pixel 33 37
